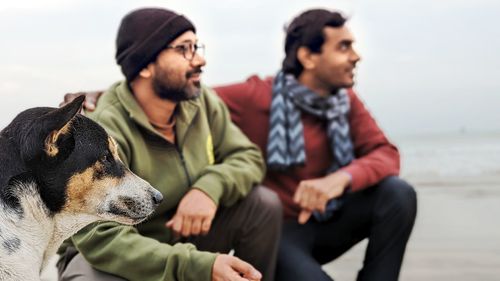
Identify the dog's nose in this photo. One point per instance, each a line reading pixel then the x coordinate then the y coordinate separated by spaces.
pixel 157 197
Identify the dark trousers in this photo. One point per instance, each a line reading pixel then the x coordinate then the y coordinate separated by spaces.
pixel 384 214
pixel 251 227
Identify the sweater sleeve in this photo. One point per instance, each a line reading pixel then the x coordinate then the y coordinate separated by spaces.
pixel 237 97
pixel 375 157
pixel 238 162
pixel 121 250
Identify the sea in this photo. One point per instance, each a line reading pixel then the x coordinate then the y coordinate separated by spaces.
pixel 450 159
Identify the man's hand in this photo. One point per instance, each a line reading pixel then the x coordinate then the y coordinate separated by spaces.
pixel 90 99
pixel 194 215
pixel 312 195
pixel 229 268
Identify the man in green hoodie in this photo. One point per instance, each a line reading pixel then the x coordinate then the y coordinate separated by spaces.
pixel 177 135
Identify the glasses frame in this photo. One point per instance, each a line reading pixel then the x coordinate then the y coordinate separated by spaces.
pixel 190 52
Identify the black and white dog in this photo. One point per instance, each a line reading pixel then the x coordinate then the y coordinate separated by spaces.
pixel 60 171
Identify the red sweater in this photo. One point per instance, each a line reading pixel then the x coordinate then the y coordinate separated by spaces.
pixel 375 157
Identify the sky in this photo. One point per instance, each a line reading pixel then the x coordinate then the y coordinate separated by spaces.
pixel 428 66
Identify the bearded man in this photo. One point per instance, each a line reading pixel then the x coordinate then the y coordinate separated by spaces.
pixel 177 134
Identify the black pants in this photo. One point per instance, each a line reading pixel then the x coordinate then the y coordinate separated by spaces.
pixel 251 227
pixel 384 214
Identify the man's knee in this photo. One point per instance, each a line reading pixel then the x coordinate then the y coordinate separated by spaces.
pixel 268 203
pixel 400 197
pixel 295 263
pixel 79 269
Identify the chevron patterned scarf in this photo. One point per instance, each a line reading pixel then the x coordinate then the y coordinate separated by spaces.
pixel 286 147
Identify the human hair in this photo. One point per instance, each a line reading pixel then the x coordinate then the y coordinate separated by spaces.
pixel 306 30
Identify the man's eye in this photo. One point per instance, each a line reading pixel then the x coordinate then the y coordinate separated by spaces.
pixel 183 48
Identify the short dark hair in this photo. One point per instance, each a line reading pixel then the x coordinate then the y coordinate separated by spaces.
pixel 306 30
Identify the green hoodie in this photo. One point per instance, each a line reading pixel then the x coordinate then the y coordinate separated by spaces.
pixel 211 154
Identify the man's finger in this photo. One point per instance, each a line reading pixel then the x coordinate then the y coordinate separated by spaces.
pixel 205 226
pixel 245 269
pixel 91 100
pixel 169 223
pixel 177 225
pixel 312 200
pixel 298 193
pixel 89 104
pixel 304 216
pixel 304 200
pixel 235 276
pixel 322 200
pixel 186 226
pixel 196 226
pixel 316 201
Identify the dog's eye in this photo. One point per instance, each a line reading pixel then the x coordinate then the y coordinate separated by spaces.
pixel 104 158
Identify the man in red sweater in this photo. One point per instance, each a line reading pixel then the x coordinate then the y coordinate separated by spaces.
pixel 331 165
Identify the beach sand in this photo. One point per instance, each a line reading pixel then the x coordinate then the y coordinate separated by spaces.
pixel 456 236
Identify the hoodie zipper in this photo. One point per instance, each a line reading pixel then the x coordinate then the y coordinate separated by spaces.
pixel 181 155
pixel 183 163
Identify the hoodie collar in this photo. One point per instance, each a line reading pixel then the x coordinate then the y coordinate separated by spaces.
pixel 184 113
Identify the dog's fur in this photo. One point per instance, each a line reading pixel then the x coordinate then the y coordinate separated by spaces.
pixel 60 171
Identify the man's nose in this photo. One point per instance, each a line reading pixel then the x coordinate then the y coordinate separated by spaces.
pixel 355 58
pixel 198 60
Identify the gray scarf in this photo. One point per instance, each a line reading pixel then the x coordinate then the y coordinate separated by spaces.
pixel 286 148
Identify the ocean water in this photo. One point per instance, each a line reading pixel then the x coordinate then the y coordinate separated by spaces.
pixel 451 158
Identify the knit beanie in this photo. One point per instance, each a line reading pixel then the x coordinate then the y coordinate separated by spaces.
pixel 143 34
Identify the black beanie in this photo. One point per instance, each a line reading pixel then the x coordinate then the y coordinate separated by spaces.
pixel 143 34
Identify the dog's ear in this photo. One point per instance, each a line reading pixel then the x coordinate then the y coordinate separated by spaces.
pixel 43 134
pixel 58 122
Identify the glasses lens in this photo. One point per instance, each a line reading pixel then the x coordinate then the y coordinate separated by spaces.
pixel 190 50
pixel 198 49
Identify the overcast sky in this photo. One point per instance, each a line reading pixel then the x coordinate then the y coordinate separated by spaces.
pixel 428 65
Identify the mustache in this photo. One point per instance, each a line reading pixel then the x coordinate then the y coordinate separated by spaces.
pixel 193 72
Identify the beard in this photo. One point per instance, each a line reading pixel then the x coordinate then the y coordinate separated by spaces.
pixel 176 90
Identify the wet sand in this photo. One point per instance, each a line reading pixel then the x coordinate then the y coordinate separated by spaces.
pixel 456 236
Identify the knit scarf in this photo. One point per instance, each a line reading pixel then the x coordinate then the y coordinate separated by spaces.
pixel 286 147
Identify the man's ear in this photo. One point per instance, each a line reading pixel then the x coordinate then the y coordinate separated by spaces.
pixel 147 72
pixel 305 57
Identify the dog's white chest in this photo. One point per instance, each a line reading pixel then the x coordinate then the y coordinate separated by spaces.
pixel 23 238
pixel 18 259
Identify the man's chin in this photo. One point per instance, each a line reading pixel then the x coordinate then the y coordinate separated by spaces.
pixel 194 91
pixel 196 84
pixel 349 83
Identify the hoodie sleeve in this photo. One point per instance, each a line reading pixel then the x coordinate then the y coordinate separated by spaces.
pixel 238 162
pixel 122 251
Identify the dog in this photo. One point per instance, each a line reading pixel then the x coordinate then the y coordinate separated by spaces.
pixel 60 171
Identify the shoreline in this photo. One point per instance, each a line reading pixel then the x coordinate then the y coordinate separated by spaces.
pixel 465 182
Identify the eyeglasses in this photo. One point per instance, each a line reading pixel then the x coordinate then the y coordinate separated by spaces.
pixel 189 50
